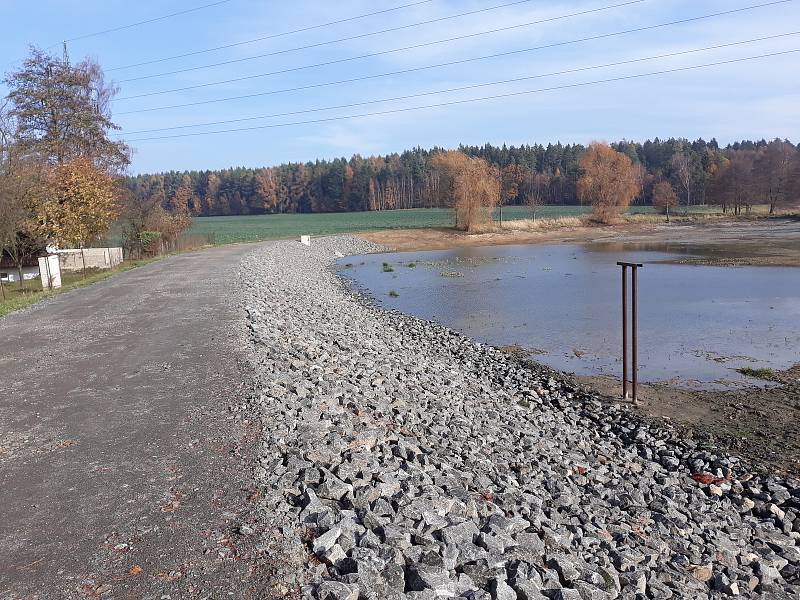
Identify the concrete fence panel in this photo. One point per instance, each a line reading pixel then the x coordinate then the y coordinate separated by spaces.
pixel 95 258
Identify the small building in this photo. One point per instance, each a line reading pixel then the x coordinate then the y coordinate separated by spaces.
pixel 9 273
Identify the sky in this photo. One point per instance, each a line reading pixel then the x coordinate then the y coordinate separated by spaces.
pixel 753 99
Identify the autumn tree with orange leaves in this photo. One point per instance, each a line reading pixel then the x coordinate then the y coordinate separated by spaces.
pixel 60 121
pixel 473 188
pixel 79 205
pixel 608 179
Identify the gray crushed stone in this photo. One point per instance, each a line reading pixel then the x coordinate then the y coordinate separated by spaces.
pixel 400 459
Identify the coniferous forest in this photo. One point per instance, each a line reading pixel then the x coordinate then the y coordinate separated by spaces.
pixel 408 180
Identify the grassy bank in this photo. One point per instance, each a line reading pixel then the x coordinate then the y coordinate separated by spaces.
pixel 31 292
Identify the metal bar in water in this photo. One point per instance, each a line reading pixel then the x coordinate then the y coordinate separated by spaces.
pixel 624 331
pixel 634 329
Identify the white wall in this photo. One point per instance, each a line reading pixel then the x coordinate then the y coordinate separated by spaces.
pixel 11 275
pixel 96 258
pixel 50 271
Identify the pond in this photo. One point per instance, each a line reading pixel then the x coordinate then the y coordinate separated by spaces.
pixel 562 304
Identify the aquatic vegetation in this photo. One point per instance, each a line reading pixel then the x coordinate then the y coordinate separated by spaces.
pixel 761 373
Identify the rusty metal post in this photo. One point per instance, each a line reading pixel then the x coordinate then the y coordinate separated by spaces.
pixel 625 331
pixel 634 328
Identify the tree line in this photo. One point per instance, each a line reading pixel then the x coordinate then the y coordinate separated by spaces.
pixel 698 172
pixel 610 180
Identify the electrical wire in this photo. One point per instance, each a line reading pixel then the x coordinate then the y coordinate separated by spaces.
pixel 148 21
pixel 408 70
pixel 128 26
pixel 384 31
pixel 274 35
pixel 470 87
pixel 416 46
pixel 470 100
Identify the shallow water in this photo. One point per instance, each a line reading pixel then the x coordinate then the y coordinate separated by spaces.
pixel 697 324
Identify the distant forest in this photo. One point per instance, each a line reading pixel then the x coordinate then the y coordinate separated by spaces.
pixel 408 180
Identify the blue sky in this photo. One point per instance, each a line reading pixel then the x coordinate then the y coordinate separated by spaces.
pixel 758 99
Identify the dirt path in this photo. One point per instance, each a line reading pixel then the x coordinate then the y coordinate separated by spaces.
pixel 122 470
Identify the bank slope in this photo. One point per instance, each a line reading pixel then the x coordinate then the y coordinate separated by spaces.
pixel 402 460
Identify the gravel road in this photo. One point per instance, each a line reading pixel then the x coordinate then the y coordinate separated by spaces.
pixel 122 471
pixel 399 459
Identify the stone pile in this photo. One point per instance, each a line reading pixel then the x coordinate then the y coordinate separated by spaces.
pixel 403 460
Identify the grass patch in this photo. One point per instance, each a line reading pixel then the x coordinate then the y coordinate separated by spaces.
pixel 31 292
pixel 393 294
pixel 387 268
pixel 412 265
pixel 762 373
pixel 253 228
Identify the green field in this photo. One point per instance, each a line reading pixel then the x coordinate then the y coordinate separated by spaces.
pixel 253 228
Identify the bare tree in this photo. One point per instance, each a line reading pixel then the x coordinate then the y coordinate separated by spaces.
pixel 664 197
pixel 771 172
pixel 682 169
pixel 537 189
pixel 733 183
pixel 511 178
pixel 793 188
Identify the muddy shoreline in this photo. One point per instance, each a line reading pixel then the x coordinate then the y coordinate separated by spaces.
pixel 723 242
pixel 757 424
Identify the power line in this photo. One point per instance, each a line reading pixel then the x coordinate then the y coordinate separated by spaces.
pixel 412 69
pixel 451 63
pixel 148 21
pixel 272 36
pixel 130 26
pixel 473 86
pixel 472 100
pixel 383 31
